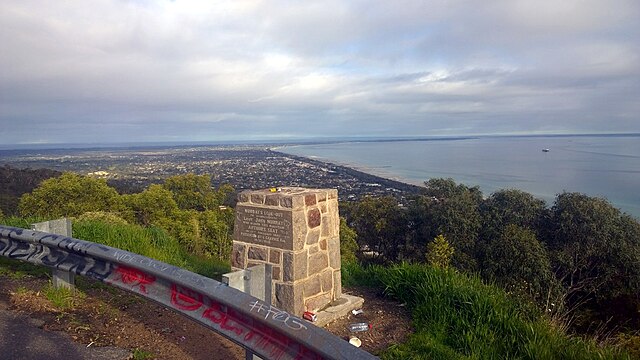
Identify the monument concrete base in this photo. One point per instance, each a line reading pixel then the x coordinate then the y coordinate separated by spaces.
pixel 338 309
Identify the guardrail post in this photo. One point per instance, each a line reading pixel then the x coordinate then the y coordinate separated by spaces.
pixel 255 281
pixel 61 278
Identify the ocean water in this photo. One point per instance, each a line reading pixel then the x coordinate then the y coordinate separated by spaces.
pixel 604 166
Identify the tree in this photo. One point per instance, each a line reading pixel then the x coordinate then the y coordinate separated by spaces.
pixel 348 243
pixel 192 191
pixel 16 182
pixel 381 226
pixel 154 206
pixel 517 261
pixel 505 207
pixel 215 229
pixel 595 248
pixel 451 210
pixel 442 189
pixel 439 252
pixel 69 195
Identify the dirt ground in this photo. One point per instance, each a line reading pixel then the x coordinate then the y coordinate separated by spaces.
pixel 390 322
pixel 106 316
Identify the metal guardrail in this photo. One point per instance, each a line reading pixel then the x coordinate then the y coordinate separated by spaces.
pixel 251 323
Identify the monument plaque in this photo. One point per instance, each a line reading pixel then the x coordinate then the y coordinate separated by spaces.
pixel 270 227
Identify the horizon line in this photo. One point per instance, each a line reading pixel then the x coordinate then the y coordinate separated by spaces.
pixel 290 140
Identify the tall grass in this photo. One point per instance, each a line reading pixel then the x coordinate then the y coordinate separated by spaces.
pixel 62 298
pixel 459 317
pixel 152 242
pixel 20 222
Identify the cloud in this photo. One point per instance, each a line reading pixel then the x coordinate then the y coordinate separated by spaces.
pixel 192 70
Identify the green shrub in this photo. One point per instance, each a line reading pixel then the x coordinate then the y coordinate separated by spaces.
pixel 69 195
pixel 348 243
pixel 439 252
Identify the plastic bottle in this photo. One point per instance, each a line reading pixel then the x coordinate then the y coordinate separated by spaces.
pixel 362 326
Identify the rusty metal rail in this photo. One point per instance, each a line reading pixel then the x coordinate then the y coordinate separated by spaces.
pixel 251 323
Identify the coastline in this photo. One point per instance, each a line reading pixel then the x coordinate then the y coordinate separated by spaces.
pixel 369 171
pixel 358 172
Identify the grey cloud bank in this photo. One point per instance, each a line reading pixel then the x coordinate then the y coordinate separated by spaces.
pixel 127 71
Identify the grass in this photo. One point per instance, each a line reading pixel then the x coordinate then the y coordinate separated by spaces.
pixel 62 298
pixel 19 222
pixel 152 242
pixel 21 290
pixel 17 269
pixel 139 354
pixel 458 317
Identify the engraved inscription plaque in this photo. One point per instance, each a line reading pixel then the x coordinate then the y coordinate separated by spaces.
pixel 264 226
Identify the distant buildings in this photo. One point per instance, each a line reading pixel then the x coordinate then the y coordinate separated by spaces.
pixel 244 167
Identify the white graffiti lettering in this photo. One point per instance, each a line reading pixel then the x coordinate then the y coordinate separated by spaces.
pixel 277 315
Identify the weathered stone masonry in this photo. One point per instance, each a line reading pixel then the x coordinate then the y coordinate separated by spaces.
pixel 296 230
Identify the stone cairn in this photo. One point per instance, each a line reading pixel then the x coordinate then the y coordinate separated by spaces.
pixel 296 230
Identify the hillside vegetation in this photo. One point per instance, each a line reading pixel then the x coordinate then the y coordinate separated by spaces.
pixel 458 317
pixel 185 206
pixel 578 259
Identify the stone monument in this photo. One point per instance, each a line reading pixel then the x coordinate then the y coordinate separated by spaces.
pixel 296 230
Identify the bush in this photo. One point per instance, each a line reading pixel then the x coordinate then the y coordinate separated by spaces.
pixel 439 252
pixel 69 195
pixel 348 244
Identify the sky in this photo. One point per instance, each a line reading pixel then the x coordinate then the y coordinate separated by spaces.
pixel 110 71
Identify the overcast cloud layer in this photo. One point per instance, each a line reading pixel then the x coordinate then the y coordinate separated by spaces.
pixel 122 71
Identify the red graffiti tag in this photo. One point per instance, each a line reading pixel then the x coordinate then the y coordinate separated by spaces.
pixel 265 338
pixel 215 314
pixel 134 277
pixel 185 299
pixel 275 343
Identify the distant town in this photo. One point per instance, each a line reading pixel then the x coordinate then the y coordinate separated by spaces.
pixel 243 167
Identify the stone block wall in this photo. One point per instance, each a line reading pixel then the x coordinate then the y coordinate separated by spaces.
pixel 296 230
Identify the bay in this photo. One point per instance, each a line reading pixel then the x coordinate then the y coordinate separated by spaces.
pixel 605 166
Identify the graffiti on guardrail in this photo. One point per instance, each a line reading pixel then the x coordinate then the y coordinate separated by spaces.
pixel 57 257
pixel 169 271
pixel 230 320
pixel 134 278
pixel 276 315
